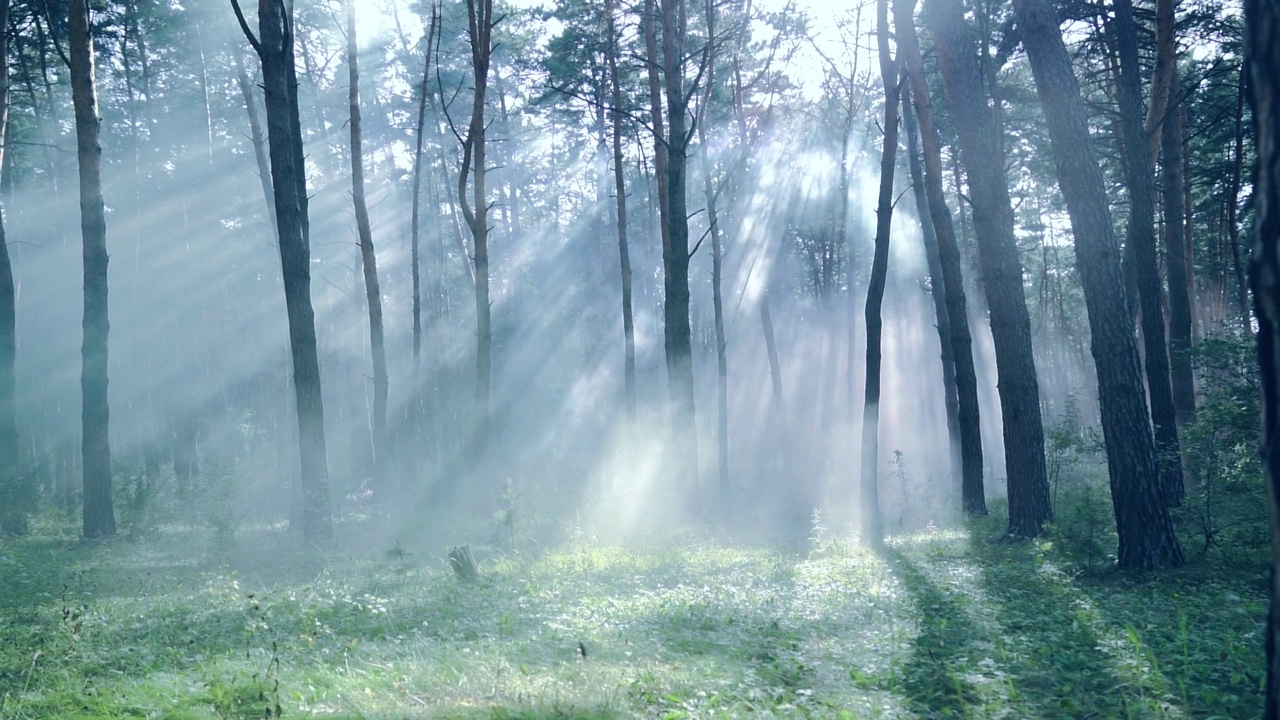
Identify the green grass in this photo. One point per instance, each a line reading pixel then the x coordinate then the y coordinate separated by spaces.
pixel 940 625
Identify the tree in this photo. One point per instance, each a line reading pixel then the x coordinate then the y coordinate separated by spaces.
pixel 620 189
pixel 368 260
pixel 424 91
pixel 872 524
pixel 1142 238
pixel 1262 57
pixel 946 278
pixel 1142 516
pixel 274 45
pixel 99 515
pixel 675 252
pixel 13 518
pixel 1019 388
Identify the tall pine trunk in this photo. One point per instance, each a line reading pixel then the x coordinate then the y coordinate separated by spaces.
pixel 1142 238
pixel 424 92
pixel 368 259
pixel 620 189
pixel 948 280
pixel 275 47
pixel 1028 483
pixel 872 522
pixel 13 490
pixel 99 515
pixel 1179 269
pixel 1142 514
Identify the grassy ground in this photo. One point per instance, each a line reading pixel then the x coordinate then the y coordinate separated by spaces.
pixel 939 625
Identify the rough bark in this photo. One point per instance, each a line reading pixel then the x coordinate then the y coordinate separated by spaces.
pixel 872 522
pixel 1141 237
pixel 1262 53
pixel 274 44
pixel 99 515
pixel 675 256
pixel 620 189
pixel 947 278
pixel 476 212
pixel 13 490
pixel 1023 427
pixel 1142 516
pixel 368 258
pixel 1175 245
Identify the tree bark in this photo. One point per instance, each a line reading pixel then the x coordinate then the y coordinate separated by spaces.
pixel 424 91
pixel 13 489
pixel 275 47
pixel 620 189
pixel 872 522
pixel 675 257
pixel 1142 515
pixel 947 277
pixel 1180 287
pixel 1262 57
pixel 1142 238
pixel 99 515
pixel 368 259
pixel 1028 484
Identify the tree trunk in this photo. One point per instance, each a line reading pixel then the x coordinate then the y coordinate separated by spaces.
pixel 775 366
pixel 1180 288
pixel 99 516
pixel 947 277
pixel 1029 506
pixel 13 490
pixel 675 258
pixel 368 259
pixel 1142 515
pixel 1262 53
pixel 275 47
pixel 1233 204
pixel 1142 238
pixel 476 213
pixel 872 523
pixel 620 189
pixel 416 269
pixel 255 135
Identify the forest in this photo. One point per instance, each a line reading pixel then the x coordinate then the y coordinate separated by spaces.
pixel 639 358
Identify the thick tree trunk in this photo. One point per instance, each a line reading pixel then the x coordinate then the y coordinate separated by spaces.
pixel 1142 515
pixel 620 189
pixel 947 278
pixel 13 490
pixel 99 515
pixel 368 259
pixel 275 47
pixel 1142 238
pixel 675 258
pixel 1262 53
pixel 1029 506
pixel 872 523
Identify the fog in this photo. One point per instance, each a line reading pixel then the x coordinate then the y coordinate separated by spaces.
pixel 202 423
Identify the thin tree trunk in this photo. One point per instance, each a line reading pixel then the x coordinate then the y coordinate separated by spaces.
pixel 1142 238
pixel 368 259
pixel 416 270
pixel 620 189
pixel 1180 287
pixel 1028 484
pixel 775 367
pixel 872 523
pixel 948 278
pixel 255 135
pixel 1233 203
pixel 1143 522
pixel 99 515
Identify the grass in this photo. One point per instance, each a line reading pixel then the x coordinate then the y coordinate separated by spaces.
pixel 939 625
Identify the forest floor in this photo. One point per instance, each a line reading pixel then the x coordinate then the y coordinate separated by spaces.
pixel 937 625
